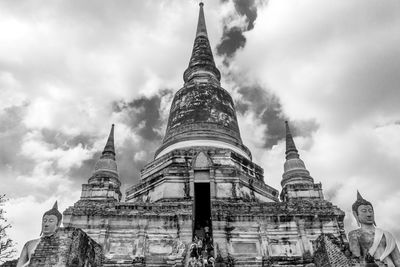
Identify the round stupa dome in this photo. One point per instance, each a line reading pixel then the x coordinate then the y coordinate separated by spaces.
pixel 202 112
pixel 106 165
pixel 294 164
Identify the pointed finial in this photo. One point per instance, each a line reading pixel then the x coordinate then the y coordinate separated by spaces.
pixel 201 24
pixel 201 65
pixel 290 145
pixel 109 148
pixel 107 162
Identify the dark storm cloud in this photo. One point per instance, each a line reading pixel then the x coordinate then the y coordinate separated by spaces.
pixel 233 38
pixel 268 109
pixel 85 170
pixel 129 166
pixel 143 115
pixel 146 119
pixel 78 173
pixel 247 8
pixel 266 106
pixel 63 141
pixel 15 163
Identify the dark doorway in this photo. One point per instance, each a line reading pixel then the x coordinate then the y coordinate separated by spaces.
pixel 202 209
pixel 202 230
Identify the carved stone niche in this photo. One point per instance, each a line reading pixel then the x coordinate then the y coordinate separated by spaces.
pixel 247 248
pixel 285 249
pixel 202 162
pixel 69 247
pixel 203 172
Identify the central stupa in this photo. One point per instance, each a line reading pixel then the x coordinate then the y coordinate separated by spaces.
pixel 202 184
pixel 202 112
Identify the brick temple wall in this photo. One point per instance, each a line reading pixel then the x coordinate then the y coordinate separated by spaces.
pixel 331 252
pixel 273 234
pixel 155 233
pixel 248 233
pixel 11 263
pixel 68 247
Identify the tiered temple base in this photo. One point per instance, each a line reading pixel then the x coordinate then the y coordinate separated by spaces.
pixel 244 233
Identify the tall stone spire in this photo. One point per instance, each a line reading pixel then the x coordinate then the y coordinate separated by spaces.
pixel 201 65
pixel 201 24
pixel 202 112
pixel 296 180
pixel 104 184
pixel 291 150
pixel 107 163
pixel 294 169
pixel 109 150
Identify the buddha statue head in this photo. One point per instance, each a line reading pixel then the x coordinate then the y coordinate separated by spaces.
pixel 51 221
pixel 363 211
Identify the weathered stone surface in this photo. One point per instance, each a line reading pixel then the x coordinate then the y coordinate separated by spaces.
pixel 155 233
pixel 249 232
pixel 202 109
pixel 277 231
pixel 231 176
pixel 68 247
pixel 104 183
pixel 332 251
pixel 203 185
pixel 11 263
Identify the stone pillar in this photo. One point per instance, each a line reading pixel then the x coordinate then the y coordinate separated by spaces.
pixel 191 183
pixel 303 236
pixel 213 184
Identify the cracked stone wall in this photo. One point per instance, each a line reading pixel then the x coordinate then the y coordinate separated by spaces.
pixel 68 247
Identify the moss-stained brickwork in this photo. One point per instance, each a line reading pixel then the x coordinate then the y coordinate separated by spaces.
pixel 69 247
pixel 331 252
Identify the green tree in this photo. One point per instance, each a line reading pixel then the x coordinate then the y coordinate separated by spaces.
pixel 7 250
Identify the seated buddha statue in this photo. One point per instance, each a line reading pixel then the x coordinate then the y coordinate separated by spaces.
pixel 369 243
pixel 51 221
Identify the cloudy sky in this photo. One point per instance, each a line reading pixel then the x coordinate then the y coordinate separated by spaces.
pixel 69 69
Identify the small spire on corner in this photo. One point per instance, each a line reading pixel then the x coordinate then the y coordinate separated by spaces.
pixel 109 148
pixel 291 150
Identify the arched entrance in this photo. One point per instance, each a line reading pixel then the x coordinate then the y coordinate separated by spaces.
pixel 202 223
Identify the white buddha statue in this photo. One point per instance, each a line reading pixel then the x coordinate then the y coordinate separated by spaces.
pixel 368 241
pixel 51 221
